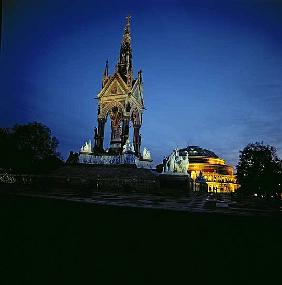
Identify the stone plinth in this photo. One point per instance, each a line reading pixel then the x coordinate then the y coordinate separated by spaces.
pixel 177 182
pixel 118 159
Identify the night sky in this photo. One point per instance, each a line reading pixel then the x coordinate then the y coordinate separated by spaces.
pixel 212 70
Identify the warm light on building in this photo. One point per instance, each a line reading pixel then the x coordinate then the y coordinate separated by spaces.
pixel 218 175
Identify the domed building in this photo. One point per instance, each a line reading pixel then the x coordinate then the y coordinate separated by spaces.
pixel 218 175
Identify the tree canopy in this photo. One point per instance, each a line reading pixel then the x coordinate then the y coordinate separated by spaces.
pixel 259 170
pixel 28 148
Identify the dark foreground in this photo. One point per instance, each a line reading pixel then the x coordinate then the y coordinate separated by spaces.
pixel 45 241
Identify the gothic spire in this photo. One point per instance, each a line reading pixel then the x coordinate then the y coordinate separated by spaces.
pixel 125 56
pixel 140 76
pixel 106 71
pixel 106 74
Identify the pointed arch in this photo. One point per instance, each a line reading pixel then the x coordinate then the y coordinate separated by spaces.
pixel 107 108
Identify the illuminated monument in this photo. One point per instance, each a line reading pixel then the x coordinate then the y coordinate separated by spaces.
pixel 121 101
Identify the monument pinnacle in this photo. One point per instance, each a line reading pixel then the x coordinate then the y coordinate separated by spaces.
pixel 125 55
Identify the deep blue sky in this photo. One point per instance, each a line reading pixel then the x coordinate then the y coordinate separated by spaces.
pixel 212 69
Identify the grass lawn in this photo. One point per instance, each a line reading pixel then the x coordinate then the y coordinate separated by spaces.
pixel 46 241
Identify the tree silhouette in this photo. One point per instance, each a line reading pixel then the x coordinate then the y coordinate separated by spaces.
pixel 29 148
pixel 259 170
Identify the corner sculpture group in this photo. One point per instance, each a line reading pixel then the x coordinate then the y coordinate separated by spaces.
pixel 175 163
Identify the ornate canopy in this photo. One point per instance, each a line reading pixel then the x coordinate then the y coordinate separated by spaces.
pixel 121 101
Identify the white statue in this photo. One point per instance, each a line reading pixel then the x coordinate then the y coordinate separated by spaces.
pixel 176 163
pixel 86 148
pixel 170 163
pixel 128 147
pixel 146 154
pixel 182 163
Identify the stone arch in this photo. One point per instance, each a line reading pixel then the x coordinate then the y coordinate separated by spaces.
pixel 135 116
pixel 134 108
pixel 107 108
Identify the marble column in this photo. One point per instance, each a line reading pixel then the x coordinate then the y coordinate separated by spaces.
pixel 125 131
pixel 100 138
pixel 95 139
pixel 137 139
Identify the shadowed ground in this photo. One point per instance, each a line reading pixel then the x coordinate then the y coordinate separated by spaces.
pixel 45 241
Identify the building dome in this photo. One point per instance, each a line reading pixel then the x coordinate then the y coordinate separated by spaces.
pixel 203 162
pixel 198 151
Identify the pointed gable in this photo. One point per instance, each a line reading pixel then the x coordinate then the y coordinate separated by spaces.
pixel 137 91
pixel 115 85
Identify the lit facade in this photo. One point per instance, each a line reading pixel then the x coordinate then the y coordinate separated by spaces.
pixel 218 175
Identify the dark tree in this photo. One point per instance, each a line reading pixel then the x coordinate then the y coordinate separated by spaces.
pixel 259 170
pixel 7 147
pixel 73 158
pixel 29 148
